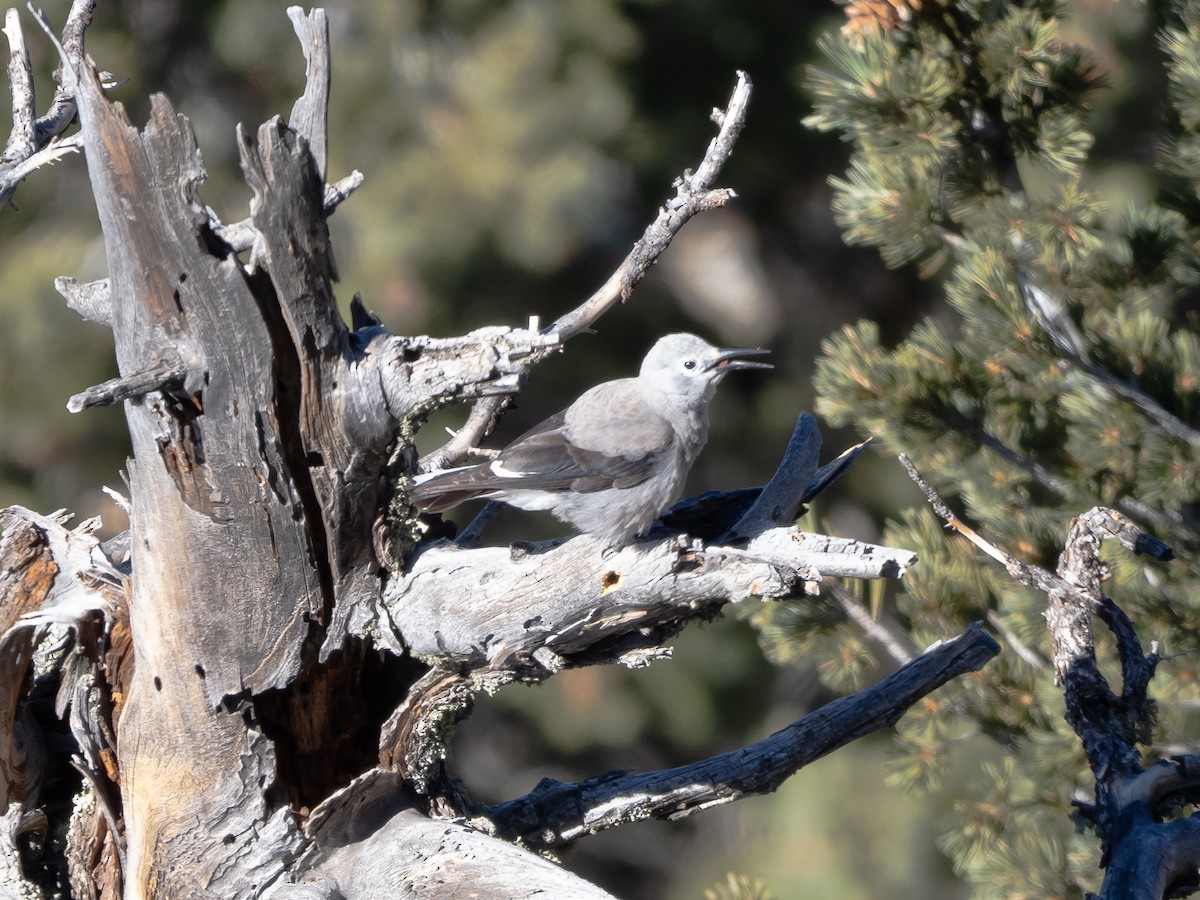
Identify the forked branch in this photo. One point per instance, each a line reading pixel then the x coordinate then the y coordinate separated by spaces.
pixel 694 194
pixel 1148 852
pixel 34 142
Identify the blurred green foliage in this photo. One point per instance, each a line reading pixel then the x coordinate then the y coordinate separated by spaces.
pixel 1062 375
pixel 739 887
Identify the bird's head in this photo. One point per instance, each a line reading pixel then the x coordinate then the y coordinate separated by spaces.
pixel 688 366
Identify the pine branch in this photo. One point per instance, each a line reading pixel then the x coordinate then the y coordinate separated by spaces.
pixel 1143 854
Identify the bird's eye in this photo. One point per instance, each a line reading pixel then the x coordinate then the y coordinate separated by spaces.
pixel 689 364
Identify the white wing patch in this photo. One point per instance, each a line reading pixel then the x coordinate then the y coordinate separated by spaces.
pixel 428 476
pixel 497 469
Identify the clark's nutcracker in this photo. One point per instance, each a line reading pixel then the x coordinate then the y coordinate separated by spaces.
pixel 613 460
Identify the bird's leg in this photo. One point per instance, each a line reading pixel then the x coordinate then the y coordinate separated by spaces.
pixel 689 552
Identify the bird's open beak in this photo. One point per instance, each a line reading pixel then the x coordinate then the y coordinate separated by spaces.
pixel 731 358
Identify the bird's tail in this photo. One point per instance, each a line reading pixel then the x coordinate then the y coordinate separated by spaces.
pixel 439 491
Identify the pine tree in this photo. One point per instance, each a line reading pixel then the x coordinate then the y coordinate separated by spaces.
pixel 1067 376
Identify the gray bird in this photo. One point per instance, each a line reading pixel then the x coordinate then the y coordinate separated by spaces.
pixel 617 457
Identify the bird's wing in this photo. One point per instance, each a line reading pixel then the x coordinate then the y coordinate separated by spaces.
pixel 608 438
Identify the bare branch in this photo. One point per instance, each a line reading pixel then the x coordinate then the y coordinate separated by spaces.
pixel 604 602
pixel 555 813
pixel 940 507
pixel 1145 857
pixel 92 300
pixel 311 111
pixel 31 144
pixel 62 108
pixel 416 372
pixel 22 141
pixel 871 626
pixel 694 194
pixel 833 470
pixel 340 190
pixel 1031 576
pixel 127 387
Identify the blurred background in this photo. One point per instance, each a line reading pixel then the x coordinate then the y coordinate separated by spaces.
pixel 513 152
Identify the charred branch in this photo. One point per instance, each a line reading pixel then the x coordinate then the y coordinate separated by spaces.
pixel 780 501
pixel 1147 851
pixel 555 813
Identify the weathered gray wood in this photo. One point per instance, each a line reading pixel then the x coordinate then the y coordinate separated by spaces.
pixel 210 470
pixel 464 607
pixel 52 581
pixel 367 842
pixel 165 376
pixel 61 111
pixel 35 142
pixel 22 139
pixel 310 113
pixel 92 299
pixel 216 523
